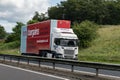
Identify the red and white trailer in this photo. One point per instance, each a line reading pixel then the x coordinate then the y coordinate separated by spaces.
pixel 51 38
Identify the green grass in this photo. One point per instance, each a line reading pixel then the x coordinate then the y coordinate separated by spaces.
pixel 11 51
pixel 106 48
pixel 9 48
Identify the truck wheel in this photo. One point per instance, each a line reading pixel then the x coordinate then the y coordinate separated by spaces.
pixel 54 54
pixel 22 54
pixel 43 54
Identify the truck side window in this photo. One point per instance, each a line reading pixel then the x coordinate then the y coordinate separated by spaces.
pixel 57 41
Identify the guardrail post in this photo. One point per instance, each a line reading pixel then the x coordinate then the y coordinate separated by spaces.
pixel 28 61
pixel 72 68
pixel 53 65
pixel 10 59
pixel 97 72
pixel 18 61
pixel 4 58
pixel 39 63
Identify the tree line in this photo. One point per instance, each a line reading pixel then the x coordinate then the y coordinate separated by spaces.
pixel 99 11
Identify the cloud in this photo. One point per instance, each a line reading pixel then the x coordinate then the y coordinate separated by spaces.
pixel 12 11
pixel 7 25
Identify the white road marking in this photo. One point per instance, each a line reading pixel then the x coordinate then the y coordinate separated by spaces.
pixel 89 73
pixel 101 75
pixel 83 72
pixel 33 72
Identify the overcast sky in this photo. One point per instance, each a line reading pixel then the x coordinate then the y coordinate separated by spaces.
pixel 12 11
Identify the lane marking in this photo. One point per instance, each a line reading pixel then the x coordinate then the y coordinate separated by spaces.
pixel 84 72
pixel 101 75
pixel 109 76
pixel 34 72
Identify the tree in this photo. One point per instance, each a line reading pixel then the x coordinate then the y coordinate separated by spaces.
pixel 17 30
pixel 32 21
pixel 15 36
pixel 2 32
pixel 113 16
pixel 38 18
pixel 56 12
pixel 98 11
pixel 86 32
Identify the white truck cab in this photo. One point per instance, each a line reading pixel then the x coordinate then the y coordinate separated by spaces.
pixel 65 43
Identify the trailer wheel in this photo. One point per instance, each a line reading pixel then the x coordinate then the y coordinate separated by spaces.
pixel 43 54
pixel 22 54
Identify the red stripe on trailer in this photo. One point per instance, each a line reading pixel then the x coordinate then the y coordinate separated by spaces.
pixel 63 24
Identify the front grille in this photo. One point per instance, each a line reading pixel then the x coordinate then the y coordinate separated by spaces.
pixel 68 53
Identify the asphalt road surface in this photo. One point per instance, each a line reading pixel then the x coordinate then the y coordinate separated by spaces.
pixel 14 73
pixel 76 68
pixel 84 69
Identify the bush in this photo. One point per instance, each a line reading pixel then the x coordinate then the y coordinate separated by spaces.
pixel 10 38
pixel 10 45
pixel 15 36
pixel 86 32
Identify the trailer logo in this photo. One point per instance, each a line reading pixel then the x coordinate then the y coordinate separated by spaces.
pixel 42 41
pixel 33 32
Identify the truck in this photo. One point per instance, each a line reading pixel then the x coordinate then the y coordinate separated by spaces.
pixel 50 38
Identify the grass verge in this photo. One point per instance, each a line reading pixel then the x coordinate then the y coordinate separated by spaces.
pixel 106 48
pixel 9 48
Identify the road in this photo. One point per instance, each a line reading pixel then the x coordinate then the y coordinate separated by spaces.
pixel 76 68
pixel 85 69
pixel 14 73
pixel 109 73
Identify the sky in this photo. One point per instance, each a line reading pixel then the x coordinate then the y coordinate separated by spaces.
pixel 12 11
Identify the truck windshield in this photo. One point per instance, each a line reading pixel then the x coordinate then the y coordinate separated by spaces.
pixel 66 42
